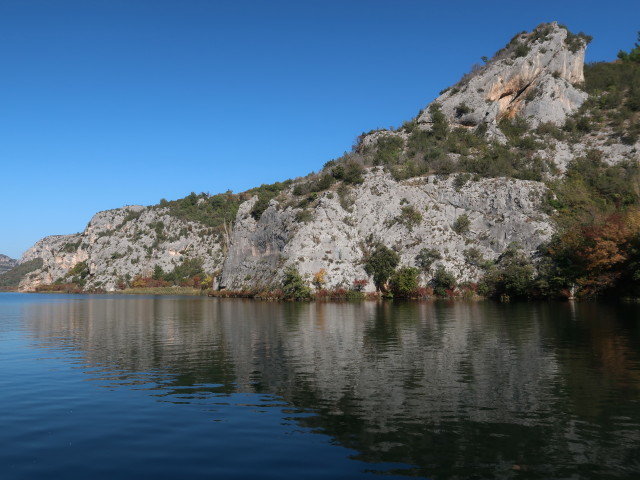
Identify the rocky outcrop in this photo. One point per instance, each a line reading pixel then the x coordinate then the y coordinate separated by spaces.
pixel 7 263
pixel 408 216
pixel 122 243
pixel 59 253
pixel 535 76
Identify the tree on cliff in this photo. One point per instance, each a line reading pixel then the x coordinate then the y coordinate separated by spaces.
pixel 381 264
pixel 633 55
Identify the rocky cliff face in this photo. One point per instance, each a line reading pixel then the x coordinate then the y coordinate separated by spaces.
pixel 7 263
pixel 122 243
pixel 535 76
pixel 408 216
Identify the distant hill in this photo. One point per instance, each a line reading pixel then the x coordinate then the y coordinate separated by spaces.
pixel 7 263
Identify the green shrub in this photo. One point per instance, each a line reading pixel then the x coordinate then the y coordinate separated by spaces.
pixel 345 195
pixel 158 273
pixel 633 56
pixel 576 41
pixel 404 281
pixel 71 247
pixel 512 276
pixel 188 268
pixel 461 224
pixel 350 172
pixel 304 215
pixel 409 217
pixel 355 295
pixel 473 257
pixel 78 273
pixel 462 109
pixel 388 150
pixel 521 50
pixel 551 130
pixel 260 206
pixel 294 287
pixel 439 125
pixel 409 169
pixel 460 180
pixel 443 282
pixel 541 33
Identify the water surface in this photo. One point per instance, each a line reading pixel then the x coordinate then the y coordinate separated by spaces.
pixel 168 387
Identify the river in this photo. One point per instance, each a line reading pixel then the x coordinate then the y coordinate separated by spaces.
pixel 110 386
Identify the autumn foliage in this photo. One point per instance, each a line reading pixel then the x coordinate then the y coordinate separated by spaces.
pixel 601 255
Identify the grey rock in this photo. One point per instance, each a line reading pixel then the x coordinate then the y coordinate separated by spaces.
pixel 501 211
pixel 541 85
pixel 124 242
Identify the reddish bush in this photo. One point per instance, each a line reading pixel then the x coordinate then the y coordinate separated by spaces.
pixel 360 284
pixel 423 292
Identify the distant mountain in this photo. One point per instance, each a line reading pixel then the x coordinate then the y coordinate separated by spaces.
pixel 7 263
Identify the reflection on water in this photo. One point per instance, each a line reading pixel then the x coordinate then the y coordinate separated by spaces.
pixel 440 390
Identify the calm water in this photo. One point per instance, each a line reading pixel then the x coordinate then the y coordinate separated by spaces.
pixel 175 387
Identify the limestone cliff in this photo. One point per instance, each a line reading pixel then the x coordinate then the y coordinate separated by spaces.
pixel 122 243
pixel 407 215
pixel 535 76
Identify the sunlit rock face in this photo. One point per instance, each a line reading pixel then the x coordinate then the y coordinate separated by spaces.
pixel 335 238
pixel 123 243
pixel 536 76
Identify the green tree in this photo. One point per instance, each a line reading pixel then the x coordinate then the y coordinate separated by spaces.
pixel 349 172
pixel 633 55
pixel 512 276
pixel 440 125
pixel 381 264
pixel 443 281
pixel 426 257
pixel 158 273
pixel 404 281
pixel 294 287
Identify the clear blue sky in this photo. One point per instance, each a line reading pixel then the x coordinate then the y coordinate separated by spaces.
pixel 105 103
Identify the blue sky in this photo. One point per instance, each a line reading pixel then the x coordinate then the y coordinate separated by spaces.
pixel 105 103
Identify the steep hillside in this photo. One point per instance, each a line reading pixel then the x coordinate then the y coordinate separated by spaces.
pixel 486 184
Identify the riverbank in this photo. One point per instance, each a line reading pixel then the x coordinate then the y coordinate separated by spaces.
pixel 162 291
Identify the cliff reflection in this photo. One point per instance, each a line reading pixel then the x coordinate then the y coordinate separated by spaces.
pixel 450 388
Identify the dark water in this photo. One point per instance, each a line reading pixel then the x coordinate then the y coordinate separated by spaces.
pixel 171 387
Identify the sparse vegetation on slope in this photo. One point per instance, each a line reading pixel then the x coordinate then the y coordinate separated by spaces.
pixel 213 211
